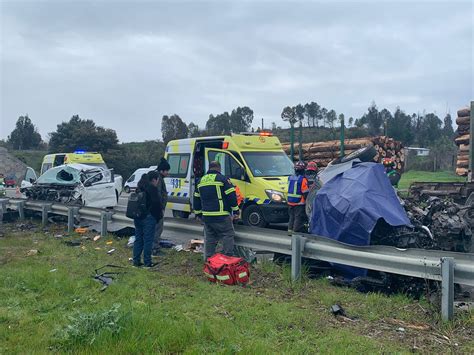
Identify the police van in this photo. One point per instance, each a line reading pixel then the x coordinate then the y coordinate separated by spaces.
pixel 254 162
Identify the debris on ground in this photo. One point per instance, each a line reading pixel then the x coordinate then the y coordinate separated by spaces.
pixel 81 230
pixel 464 306
pixel 73 243
pixel 166 243
pixel 111 251
pixel 405 325
pixel 32 252
pixel 178 247
pixel 96 238
pixel 131 241
pixel 194 245
pixel 337 310
pixel 107 277
pixel 109 242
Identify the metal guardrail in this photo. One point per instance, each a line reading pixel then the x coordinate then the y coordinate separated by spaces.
pixel 447 267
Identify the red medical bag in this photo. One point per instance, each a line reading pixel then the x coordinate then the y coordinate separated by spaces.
pixel 229 270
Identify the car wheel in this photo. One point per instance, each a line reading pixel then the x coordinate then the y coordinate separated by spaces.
pixel 126 189
pixel 253 216
pixel 365 154
pixel 180 214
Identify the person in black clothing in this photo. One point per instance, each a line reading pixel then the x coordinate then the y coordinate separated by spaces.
pixel 163 170
pixel 215 201
pixel 145 228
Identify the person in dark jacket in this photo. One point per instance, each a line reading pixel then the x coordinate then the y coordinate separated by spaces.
pixel 163 170
pixel 215 201
pixel 145 228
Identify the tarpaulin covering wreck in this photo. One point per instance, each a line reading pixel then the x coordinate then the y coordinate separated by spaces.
pixel 348 207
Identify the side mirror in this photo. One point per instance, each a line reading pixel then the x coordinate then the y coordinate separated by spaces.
pixel 32 180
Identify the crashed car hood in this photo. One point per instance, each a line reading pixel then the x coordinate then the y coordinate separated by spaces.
pixel 60 175
pixel 69 174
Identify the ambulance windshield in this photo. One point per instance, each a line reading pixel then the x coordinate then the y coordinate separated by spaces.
pixel 263 164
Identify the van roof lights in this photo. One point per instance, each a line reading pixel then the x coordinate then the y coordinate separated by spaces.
pixel 225 145
pixel 80 152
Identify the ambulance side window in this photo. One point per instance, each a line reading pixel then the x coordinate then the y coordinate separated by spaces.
pixel 179 164
pixel 230 167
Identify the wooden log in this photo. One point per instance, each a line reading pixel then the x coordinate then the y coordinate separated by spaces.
pixel 463 120
pixel 464 147
pixel 464 139
pixel 462 165
pixel 461 171
pixel 464 112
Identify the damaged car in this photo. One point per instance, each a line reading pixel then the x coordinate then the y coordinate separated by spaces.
pixel 74 184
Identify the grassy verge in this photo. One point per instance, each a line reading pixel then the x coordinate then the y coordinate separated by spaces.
pixel 427 176
pixel 50 302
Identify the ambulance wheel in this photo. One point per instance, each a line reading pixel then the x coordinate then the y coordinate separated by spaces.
pixel 253 216
pixel 180 214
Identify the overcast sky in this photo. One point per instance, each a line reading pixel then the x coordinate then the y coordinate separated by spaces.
pixel 125 64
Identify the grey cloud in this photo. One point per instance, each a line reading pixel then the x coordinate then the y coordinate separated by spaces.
pixel 125 64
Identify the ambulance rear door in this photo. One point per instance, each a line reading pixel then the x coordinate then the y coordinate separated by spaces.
pixel 178 184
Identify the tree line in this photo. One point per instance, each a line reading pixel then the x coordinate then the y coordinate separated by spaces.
pixel 425 130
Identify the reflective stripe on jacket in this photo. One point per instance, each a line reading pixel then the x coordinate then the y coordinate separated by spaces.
pixel 214 197
pixel 297 187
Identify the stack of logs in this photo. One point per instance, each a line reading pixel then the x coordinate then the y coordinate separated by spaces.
pixel 462 141
pixel 324 152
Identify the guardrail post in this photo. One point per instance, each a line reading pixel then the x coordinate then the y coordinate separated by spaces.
pixel 71 214
pixel 45 208
pixel 3 207
pixel 447 288
pixel 104 218
pixel 297 245
pixel 21 210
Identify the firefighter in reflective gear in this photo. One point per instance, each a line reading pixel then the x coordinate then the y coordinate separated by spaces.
pixel 297 191
pixel 215 201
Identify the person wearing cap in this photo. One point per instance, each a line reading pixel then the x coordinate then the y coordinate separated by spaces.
pixel 298 189
pixel 215 201
pixel 163 170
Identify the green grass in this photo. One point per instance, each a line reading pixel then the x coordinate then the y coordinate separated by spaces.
pixel 174 309
pixel 426 176
pixel 32 158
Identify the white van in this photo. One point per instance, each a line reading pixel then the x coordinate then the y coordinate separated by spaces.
pixel 131 183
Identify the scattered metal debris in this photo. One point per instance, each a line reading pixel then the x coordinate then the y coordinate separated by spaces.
pixel 73 243
pixel 337 310
pixel 107 277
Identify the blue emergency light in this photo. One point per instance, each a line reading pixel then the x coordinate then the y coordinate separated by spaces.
pixel 80 152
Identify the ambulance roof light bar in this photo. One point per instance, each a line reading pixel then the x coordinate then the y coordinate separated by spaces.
pixel 261 133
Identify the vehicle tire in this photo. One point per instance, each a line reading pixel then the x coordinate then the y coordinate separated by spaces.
pixel 365 154
pixel 253 216
pixel 126 189
pixel 180 214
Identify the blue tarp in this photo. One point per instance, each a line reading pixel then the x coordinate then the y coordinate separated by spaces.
pixel 349 205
